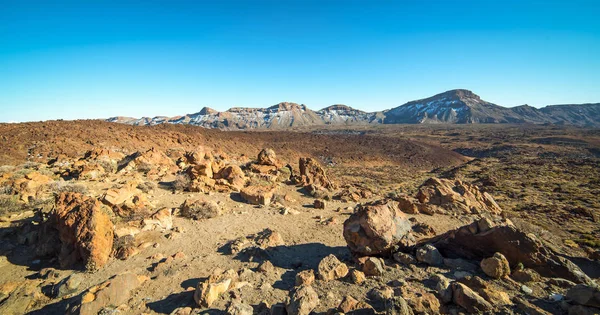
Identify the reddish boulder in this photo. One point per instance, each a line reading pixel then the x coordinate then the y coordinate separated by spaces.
pixel 376 228
pixel 312 173
pixel 85 231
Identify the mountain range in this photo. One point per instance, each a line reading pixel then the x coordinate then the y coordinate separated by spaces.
pixel 452 107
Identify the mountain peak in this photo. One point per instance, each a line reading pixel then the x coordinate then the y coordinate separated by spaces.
pixel 207 111
pixel 287 106
pixel 459 94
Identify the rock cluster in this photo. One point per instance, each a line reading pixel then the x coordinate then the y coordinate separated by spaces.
pixel 445 196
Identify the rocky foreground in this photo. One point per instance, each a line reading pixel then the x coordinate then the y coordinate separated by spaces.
pixel 109 233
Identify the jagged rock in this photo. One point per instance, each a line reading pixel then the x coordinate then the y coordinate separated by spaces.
pixel 352 193
pixel 234 176
pixel 160 220
pixel 306 277
pixel 239 308
pixel 407 204
pixel 330 268
pixel 456 197
pixel 443 288
pixel 319 204
pixel 585 295
pixel 85 231
pixel 357 276
pixel 67 286
pixel 377 227
pixel 268 238
pixel 312 173
pixel 517 246
pixel 404 258
pixel 113 292
pixel 268 157
pixel 421 301
pixel 199 209
pixel 31 186
pixel 468 299
pixel 372 266
pixel 486 291
pixel 219 282
pixel 128 197
pixel 303 300
pixel 258 195
pixel 152 161
pixel 430 255
pixel 496 266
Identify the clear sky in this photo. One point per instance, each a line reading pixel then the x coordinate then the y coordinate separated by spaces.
pixel 96 59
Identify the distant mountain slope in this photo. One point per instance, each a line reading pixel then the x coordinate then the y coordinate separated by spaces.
pixel 582 115
pixel 455 106
pixel 451 107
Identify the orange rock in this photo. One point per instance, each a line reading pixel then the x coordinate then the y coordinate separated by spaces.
pixel 85 231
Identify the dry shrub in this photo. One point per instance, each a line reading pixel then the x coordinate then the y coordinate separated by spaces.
pixel 182 182
pixel 58 187
pixel 9 204
pixel 147 187
pixel 108 166
pixel 200 209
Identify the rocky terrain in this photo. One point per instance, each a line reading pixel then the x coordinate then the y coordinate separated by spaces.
pixel 451 107
pixel 104 218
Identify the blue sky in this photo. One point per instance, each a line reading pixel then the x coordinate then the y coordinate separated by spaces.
pixel 95 59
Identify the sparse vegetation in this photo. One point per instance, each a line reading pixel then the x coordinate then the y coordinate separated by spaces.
pixel 58 187
pixel 9 204
pixel 182 182
pixel 147 187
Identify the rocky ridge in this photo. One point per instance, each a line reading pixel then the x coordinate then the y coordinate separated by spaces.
pixel 451 107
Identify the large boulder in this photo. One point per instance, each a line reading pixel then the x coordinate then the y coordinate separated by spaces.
pixel 311 172
pixel 443 195
pixel 376 228
pixel 233 176
pixel 268 157
pixel 85 231
pixel 219 282
pixel 469 299
pixel 496 266
pixel 471 242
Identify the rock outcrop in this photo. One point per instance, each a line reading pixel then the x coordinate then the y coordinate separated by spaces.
pixel 311 172
pixel 446 196
pixel 85 231
pixel 479 240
